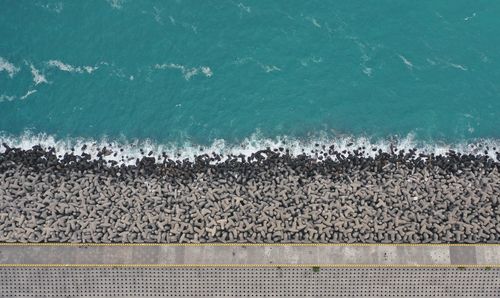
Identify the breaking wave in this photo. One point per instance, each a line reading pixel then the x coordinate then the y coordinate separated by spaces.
pixel 127 151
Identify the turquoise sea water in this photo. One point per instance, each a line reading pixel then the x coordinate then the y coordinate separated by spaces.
pixel 200 71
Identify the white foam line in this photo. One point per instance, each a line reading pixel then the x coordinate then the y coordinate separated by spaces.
pixel 28 94
pixel 314 22
pixel 207 71
pixel 38 78
pixel 245 8
pixel 53 7
pixel 458 66
pixel 367 71
pixel 70 68
pixel 187 72
pixel 157 15
pixel 406 61
pixel 116 4
pixel 131 150
pixel 5 97
pixel 8 67
pixel 269 68
pixel 172 20
pixel 470 17
pixel 313 59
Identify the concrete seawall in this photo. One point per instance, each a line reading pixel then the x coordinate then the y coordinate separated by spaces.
pixel 251 255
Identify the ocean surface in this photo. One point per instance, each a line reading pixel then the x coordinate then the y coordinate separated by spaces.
pixel 190 75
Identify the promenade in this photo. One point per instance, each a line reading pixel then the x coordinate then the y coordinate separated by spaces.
pixel 249 255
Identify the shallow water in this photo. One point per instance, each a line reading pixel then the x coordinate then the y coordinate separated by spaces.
pixel 222 73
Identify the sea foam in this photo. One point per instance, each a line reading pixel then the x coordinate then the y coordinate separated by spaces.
pixel 38 77
pixel 28 93
pixel 116 4
pixel 127 151
pixel 70 68
pixel 5 97
pixel 187 72
pixel 8 67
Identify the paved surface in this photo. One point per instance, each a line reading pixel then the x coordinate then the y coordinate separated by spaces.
pixel 248 255
pixel 249 271
pixel 248 282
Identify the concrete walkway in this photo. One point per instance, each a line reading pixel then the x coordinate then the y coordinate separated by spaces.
pixel 251 255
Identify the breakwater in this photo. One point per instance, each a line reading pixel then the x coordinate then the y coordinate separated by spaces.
pixel 269 196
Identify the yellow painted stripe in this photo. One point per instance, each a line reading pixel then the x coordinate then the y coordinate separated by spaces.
pixel 246 244
pixel 257 265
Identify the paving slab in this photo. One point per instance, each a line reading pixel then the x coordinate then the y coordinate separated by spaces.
pixel 463 255
pixel 248 282
pixel 251 255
